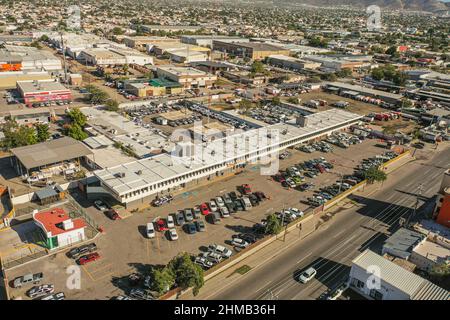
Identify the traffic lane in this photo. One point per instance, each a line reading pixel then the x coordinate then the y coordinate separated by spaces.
pixel 246 285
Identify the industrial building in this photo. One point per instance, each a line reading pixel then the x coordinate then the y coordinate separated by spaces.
pixel 43 92
pixel 141 42
pixel 135 184
pixel 337 63
pixel 207 41
pixel 112 56
pixel 19 58
pixel 188 77
pixel 442 211
pixel 50 156
pixel 377 278
pixel 167 28
pixel 352 91
pixel 252 50
pixel 31 115
pixel 402 243
pixel 8 80
pixel 292 63
pixel 152 87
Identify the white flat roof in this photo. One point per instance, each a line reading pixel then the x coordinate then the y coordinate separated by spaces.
pixel 181 71
pixel 162 167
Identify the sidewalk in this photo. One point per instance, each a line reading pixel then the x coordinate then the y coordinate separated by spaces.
pixel 270 251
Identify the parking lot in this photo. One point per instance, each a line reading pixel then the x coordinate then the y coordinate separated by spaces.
pixel 124 247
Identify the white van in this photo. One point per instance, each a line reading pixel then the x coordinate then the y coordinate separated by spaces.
pixel 247 203
pixel 150 230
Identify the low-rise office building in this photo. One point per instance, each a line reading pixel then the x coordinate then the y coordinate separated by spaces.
pixel 188 77
pixel 252 50
pixel 42 92
pixel 31 115
pixel 152 87
pixel 137 183
pixel 113 56
pixel 141 42
pixel 292 63
pixel 377 278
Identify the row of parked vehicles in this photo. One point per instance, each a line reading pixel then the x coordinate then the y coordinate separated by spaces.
pixel 206 112
pixel 272 114
pixel 188 120
pixel 84 254
pixel 343 140
pixel 41 292
pixel 317 146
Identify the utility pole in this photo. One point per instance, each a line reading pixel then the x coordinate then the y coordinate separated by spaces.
pixel 64 57
pixel 418 194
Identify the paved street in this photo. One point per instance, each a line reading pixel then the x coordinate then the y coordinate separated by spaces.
pixel 331 249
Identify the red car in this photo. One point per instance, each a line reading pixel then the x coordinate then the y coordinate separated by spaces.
pixel 204 209
pixel 161 225
pixel 246 189
pixel 88 258
pixel 112 214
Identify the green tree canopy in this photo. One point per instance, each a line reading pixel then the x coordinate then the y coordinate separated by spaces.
pixel 18 136
pixel 257 67
pixel 42 132
pixel 162 279
pixel 77 117
pixel 186 272
pixel 76 132
pixel 112 105
pixel 374 174
pixel 273 225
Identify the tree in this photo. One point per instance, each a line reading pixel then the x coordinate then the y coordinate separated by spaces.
pixel 392 51
pixel 344 73
pixel 273 225
pixel 42 132
pixel 276 100
pixel 162 279
pixel 76 132
pixel 245 105
pixel 112 105
pixel 374 174
pixel 257 67
pixel 377 74
pixel 117 31
pixel 187 273
pixel 77 117
pixel 18 136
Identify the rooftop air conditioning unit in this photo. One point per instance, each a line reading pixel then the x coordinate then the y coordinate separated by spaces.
pixel 139 172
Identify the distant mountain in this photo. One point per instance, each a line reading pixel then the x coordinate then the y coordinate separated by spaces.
pixel 410 5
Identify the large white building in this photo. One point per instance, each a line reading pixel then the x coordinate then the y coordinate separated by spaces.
pixel 111 56
pixel 136 183
pixel 28 58
pixel 188 77
pixel 375 277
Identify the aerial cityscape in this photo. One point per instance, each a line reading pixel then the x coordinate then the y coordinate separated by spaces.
pixel 235 150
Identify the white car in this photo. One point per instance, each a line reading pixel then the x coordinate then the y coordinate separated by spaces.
pixel 170 222
pixel 40 291
pixel 224 252
pixel 212 205
pixel 298 213
pixel 307 275
pixel 224 212
pixel 238 242
pixel 100 205
pixel 150 230
pixel 173 235
pixel 56 296
pixel 220 202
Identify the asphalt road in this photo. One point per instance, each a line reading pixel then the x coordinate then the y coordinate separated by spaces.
pixel 331 249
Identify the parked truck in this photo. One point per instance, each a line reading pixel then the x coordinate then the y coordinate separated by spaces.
pixel 28 278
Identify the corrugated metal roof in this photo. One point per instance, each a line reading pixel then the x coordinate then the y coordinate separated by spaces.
pixel 416 287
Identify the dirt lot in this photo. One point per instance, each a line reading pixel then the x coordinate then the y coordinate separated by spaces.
pixel 124 248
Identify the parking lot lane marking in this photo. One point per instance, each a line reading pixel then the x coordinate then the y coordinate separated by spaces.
pixel 88 273
pixel 304 258
pixel 101 268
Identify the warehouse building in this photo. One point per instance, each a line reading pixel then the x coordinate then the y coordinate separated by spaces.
pixel 167 28
pixel 352 91
pixel 137 183
pixel 18 58
pixel 152 87
pixel 337 63
pixel 188 77
pixel 8 80
pixel 141 42
pixel 54 153
pixel 292 63
pixel 207 41
pixel 377 278
pixel 113 56
pixel 31 115
pixel 43 92
pixel 252 50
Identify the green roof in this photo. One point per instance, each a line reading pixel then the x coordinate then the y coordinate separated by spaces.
pixel 159 82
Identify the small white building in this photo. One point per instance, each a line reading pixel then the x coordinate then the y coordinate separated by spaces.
pixel 58 228
pixel 377 278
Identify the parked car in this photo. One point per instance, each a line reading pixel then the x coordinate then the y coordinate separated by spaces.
pixel 246 203
pixel 227 199
pixel 224 252
pixel 220 202
pixel 203 262
pixel 56 296
pixel 241 243
pixel 246 189
pixel 40 291
pixel 28 278
pixel 200 225
pixel 141 294
pixel 204 209
pixel 188 214
pixel 307 275
pixel 173 235
pixel 88 258
pixel 150 230
pixel 100 205
pixel 73 253
pixel 197 212
pixel 224 212
pixel 238 205
pixel 233 195
pixel 180 218
pixel 112 214
pixel 215 217
pixel 191 228
pixel 213 205
pixel 170 221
